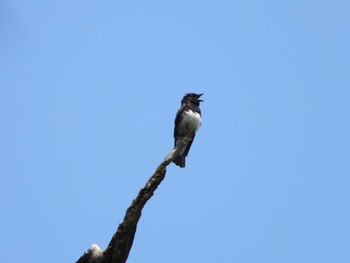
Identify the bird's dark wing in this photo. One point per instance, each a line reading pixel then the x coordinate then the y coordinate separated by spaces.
pixel 189 145
pixel 177 119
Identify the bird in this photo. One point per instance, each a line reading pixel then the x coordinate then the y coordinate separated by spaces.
pixel 187 122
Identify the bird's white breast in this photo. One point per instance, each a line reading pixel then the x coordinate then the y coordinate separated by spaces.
pixel 191 120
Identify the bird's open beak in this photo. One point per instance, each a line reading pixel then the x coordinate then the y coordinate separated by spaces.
pixel 199 97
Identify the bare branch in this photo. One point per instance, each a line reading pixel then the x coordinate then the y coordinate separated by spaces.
pixel 122 240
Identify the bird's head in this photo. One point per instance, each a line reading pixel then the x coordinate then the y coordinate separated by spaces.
pixel 192 98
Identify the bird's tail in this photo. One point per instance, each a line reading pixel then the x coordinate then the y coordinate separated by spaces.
pixel 180 160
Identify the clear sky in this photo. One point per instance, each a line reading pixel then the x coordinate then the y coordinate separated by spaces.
pixel 88 95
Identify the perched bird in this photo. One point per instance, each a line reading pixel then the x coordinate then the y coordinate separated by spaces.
pixel 187 122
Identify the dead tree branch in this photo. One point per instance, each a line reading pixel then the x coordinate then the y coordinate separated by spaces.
pixel 122 240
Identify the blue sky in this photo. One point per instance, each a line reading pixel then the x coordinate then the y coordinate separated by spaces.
pixel 88 95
